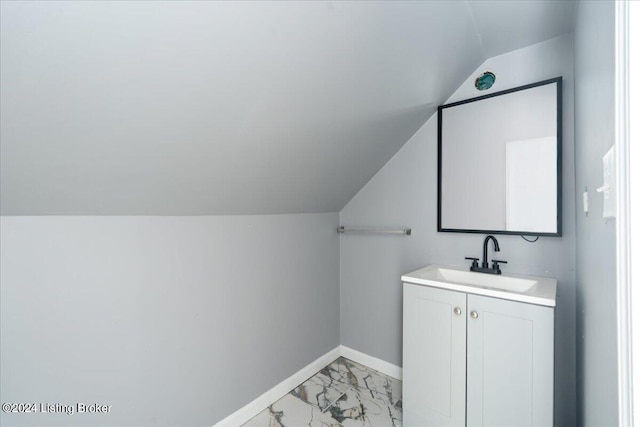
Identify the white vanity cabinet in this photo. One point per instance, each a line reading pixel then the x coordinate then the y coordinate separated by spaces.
pixel 475 360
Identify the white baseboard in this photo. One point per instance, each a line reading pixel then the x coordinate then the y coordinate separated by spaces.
pixel 379 365
pixel 253 408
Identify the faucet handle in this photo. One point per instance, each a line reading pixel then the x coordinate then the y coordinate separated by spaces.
pixel 475 261
pixel 496 265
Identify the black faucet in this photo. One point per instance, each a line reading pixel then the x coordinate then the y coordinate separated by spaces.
pixel 496 248
pixel 484 268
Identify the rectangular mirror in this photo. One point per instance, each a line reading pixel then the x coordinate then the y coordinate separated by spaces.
pixel 499 162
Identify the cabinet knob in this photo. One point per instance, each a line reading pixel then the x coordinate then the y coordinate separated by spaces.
pixel 474 315
pixel 457 311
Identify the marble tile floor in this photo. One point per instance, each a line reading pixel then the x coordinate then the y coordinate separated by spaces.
pixel 343 394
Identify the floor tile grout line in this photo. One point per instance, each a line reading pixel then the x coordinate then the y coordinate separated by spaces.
pixel 355 388
pixel 334 402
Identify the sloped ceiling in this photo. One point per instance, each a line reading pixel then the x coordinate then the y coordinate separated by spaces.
pixel 187 108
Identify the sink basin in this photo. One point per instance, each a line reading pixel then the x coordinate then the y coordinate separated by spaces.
pixel 493 281
pixel 534 290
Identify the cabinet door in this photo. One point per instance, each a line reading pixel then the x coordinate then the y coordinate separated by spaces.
pixel 509 363
pixel 433 361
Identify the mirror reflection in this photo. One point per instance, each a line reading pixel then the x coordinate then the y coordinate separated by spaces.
pixel 499 160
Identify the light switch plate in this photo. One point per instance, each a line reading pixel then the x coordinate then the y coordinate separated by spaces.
pixel 585 202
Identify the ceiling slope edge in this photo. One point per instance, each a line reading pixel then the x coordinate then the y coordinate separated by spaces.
pixel 504 81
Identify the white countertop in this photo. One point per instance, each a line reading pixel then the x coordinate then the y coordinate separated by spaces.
pixel 542 292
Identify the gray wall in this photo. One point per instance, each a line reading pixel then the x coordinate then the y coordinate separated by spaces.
pixel 403 193
pixel 595 267
pixel 172 320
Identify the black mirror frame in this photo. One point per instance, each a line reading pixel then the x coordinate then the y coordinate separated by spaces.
pixel 558 82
